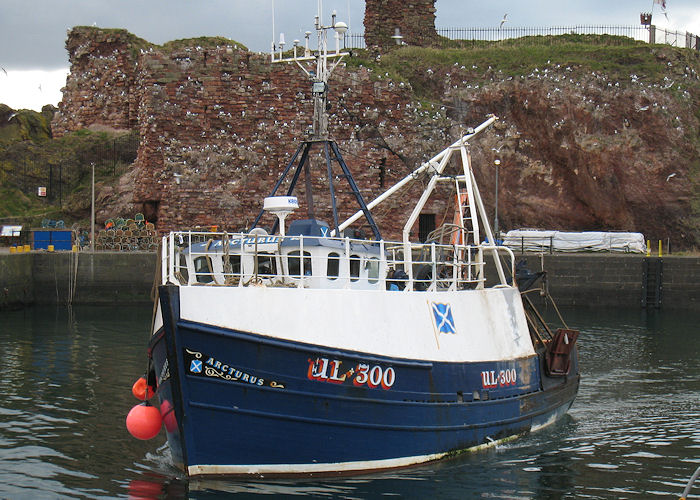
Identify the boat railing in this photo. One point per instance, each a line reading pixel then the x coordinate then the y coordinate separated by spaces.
pixel 226 259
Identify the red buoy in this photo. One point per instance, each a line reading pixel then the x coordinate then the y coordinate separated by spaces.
pixel 144 421
pixel 141 390
pixel 167 412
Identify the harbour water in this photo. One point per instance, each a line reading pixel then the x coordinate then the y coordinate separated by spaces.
pixel 66 376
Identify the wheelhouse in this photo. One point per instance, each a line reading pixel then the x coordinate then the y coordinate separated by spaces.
pixel 306 257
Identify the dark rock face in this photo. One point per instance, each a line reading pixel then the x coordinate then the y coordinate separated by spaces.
pixel 218 124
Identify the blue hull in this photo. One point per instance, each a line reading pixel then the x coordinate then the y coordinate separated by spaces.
pixel 248 404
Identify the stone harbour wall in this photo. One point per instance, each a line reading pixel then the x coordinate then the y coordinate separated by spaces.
pixel 16 283
pixel 574 280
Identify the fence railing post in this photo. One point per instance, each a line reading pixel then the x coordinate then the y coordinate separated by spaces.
pixel 495 34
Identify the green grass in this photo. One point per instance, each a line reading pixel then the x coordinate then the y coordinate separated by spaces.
pixel 22 125
pixel 135 41
pixel 26 164
pixel 137 44
pixel 14 202
pixel 520 57
pixel 202 41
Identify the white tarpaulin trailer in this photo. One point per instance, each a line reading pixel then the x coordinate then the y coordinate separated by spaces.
pixel 560 241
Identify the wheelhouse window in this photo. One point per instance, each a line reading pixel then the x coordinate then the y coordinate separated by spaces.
pixel 294 263
pixel 373 270
pixel 333 266
pixel 354 268
pixel 203 269
pixel 235 263
pixel 267 266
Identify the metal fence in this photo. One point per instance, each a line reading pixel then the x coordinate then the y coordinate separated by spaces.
pixel 60 169
pixel 615 35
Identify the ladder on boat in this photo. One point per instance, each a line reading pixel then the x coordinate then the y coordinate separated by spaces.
pixel 464 217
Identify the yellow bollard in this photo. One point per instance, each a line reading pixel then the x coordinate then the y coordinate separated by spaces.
pixel 659 248
pixel 13 249
pixel 27 248
pixel 75 248
pixel 648 248
pixel 20 248
pixel 50 248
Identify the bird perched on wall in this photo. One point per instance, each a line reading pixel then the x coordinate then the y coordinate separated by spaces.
pixel 503 21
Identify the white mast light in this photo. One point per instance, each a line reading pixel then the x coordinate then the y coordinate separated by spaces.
pixel 340 27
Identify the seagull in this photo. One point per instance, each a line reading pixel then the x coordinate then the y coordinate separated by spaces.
pixel 670 175
pixel 503 21
pixel 39 87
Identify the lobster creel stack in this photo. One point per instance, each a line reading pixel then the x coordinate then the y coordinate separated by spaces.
pixel 128 238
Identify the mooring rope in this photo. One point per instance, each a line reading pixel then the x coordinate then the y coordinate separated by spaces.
pixel 690 483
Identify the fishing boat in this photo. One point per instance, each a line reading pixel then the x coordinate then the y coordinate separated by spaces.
pixel 306 349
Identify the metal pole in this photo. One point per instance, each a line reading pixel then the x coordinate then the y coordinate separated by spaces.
pixel 414 175
pixel 495 215
pixel 92 212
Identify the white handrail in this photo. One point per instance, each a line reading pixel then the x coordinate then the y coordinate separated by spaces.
pixel 453 266
pixel 414 175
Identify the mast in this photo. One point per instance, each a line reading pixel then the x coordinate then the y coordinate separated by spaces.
pixel 325 62
pixel 320 76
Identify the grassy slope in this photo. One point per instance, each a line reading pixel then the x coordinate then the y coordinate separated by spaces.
pixel 616 57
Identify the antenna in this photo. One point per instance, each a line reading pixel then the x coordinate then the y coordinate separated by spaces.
pixel 320 76
pixel 272 48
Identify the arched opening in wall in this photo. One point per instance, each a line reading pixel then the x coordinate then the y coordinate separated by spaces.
pixel 426 225
pixel 150 211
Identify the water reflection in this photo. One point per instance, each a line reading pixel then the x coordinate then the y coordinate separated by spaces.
pixel 66 382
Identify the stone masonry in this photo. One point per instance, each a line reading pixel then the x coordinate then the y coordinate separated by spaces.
pixel 414 18
pixel 218 124
pixel 101 88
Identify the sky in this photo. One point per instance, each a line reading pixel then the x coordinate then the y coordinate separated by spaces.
pixel 34 61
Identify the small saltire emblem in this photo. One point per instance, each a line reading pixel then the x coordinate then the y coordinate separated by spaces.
pixel 443 318
pixel 196 366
